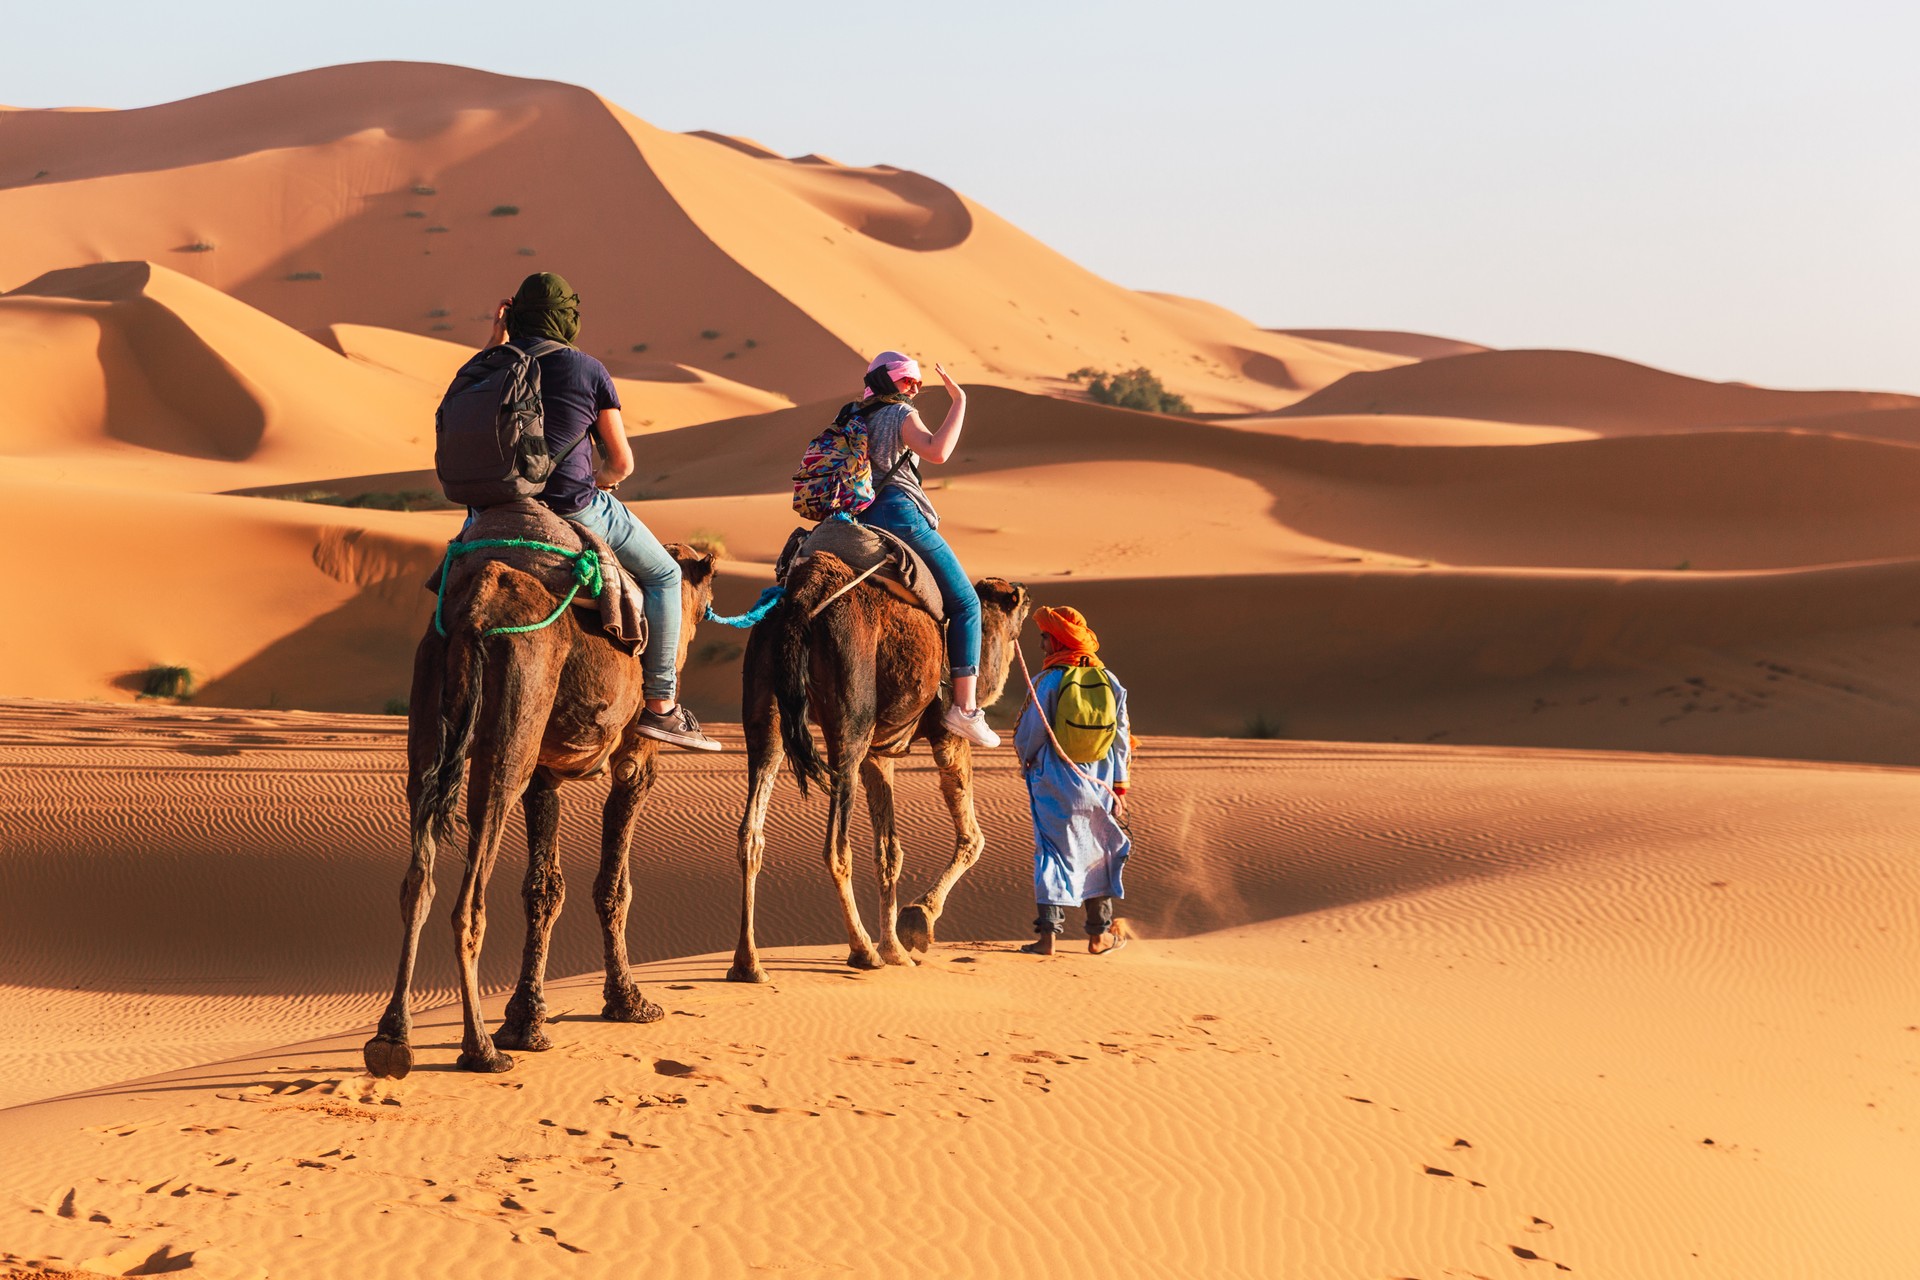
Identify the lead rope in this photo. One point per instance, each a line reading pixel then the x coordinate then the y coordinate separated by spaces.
pixel 1033 696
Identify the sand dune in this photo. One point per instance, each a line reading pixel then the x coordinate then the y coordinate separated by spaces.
pixel 1417 346
pixel 137 373
pixel 429 191
pixel 1576 389
pixel 1512 1010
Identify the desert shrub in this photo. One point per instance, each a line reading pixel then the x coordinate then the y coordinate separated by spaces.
pixel 715 652
pixel 730 355
pixel 749 344
pixel 1261 725
pixel 638 347
pixel 709 334
pixel 434 231
pixel 504 211
pixel 394 707
pixel 415 213
pixel 526 253
pixel 438 313
pixel 1132 389
pixel 305 275
pixel 440 328
pixel 710 542
pixel 43 173
pixel 166 682
pixel 198 246
pixel 426 191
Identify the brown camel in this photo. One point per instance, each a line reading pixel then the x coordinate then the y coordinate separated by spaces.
pixel 532 710
pixel 868 666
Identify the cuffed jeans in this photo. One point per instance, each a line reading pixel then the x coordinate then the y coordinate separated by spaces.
pixel 1054 919
pixel 894 511
pixel 657 573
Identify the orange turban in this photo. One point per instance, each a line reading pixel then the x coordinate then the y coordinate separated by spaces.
pixel 1075 641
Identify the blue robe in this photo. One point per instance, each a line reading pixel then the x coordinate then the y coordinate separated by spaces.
pixel 1079 848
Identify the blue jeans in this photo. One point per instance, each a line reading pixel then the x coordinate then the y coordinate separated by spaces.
pixel 657 573
pixel 894 511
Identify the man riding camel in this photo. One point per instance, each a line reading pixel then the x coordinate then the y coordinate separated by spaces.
pixel 578 396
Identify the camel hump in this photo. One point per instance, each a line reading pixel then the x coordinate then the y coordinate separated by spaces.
pixel 898 569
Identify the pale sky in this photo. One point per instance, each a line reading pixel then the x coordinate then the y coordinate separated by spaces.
pixel 1724 188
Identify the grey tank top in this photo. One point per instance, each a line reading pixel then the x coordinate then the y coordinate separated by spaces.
pixel 886 447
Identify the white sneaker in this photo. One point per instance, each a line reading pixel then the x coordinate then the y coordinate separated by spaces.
pixel 970 725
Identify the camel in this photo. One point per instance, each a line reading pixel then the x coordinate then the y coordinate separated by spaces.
pixel 532 710
pixel 868 665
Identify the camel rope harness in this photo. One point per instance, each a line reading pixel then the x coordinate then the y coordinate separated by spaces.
pixel 587 577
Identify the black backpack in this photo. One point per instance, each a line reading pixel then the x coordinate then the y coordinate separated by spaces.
pixel 490 440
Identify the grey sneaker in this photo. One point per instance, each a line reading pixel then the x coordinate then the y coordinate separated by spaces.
pixel 679 728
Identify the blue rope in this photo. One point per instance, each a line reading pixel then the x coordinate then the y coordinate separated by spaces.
pixel 761 608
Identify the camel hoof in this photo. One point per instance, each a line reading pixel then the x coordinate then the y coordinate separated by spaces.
pixel 889 955
pixel 863 960
pixel 635 1008
pixel 387 1058
pixel 531 1039
pixel 754 974
pixel 915 928
pixel 489 1065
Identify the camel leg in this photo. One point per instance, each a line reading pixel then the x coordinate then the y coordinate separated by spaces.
pixel 389 1055
pixel 764 755
pixel 545 890
pixel 876 776
pixel 505 754
pixel 839 856
pixel 954 756
pixel 633 775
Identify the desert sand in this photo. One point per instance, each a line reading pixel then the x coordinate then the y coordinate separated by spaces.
pixel 1397 1011
pixel 1524 882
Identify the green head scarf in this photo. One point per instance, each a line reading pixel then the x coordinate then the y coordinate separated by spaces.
pixel 545 307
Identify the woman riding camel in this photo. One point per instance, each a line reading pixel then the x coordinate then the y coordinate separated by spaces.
pixel 896 437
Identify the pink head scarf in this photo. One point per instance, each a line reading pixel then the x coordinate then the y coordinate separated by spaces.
pixel 896 365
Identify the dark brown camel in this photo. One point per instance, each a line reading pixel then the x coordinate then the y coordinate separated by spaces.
pixel 868 667
pixel 532 711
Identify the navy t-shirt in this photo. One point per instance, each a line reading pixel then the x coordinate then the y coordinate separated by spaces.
pixel 574 388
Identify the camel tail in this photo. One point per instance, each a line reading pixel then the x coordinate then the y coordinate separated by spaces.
pixel 792 623
pixel 462 677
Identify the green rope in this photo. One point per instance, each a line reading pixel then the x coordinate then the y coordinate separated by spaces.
pixel 586 576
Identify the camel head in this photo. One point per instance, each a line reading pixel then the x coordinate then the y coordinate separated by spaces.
pixel 696 592
pixel 1004 607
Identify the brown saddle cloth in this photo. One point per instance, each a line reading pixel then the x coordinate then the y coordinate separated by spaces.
pixel 862 546
pixel 617 609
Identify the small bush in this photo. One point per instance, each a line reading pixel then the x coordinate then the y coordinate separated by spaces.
pixel 709 334
pixel 400 500
pixel 504 211
pixel 426 191
pixel 638 347
pixel 442 327
pixel 198 246
pixel 526 253
pixel 438 313
pixel 166 682
pixel 730 355
pixel 715 652
pixel 706 540
pixel 1133 389
pixel 1261 726
pixel 749 344
pixel 394 707
pixel 305 275
pixel 434 231
pixel 415 213
pixel 43 173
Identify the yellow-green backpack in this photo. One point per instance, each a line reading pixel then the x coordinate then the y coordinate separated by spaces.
pixel 1086 718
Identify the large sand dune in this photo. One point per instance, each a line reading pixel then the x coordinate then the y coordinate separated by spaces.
pixel 427 191
pixel 1398 1011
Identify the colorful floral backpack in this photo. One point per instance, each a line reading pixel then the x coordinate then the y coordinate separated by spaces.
pixel 836 472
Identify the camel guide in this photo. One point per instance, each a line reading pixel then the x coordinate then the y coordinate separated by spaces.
pixel 1074 746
